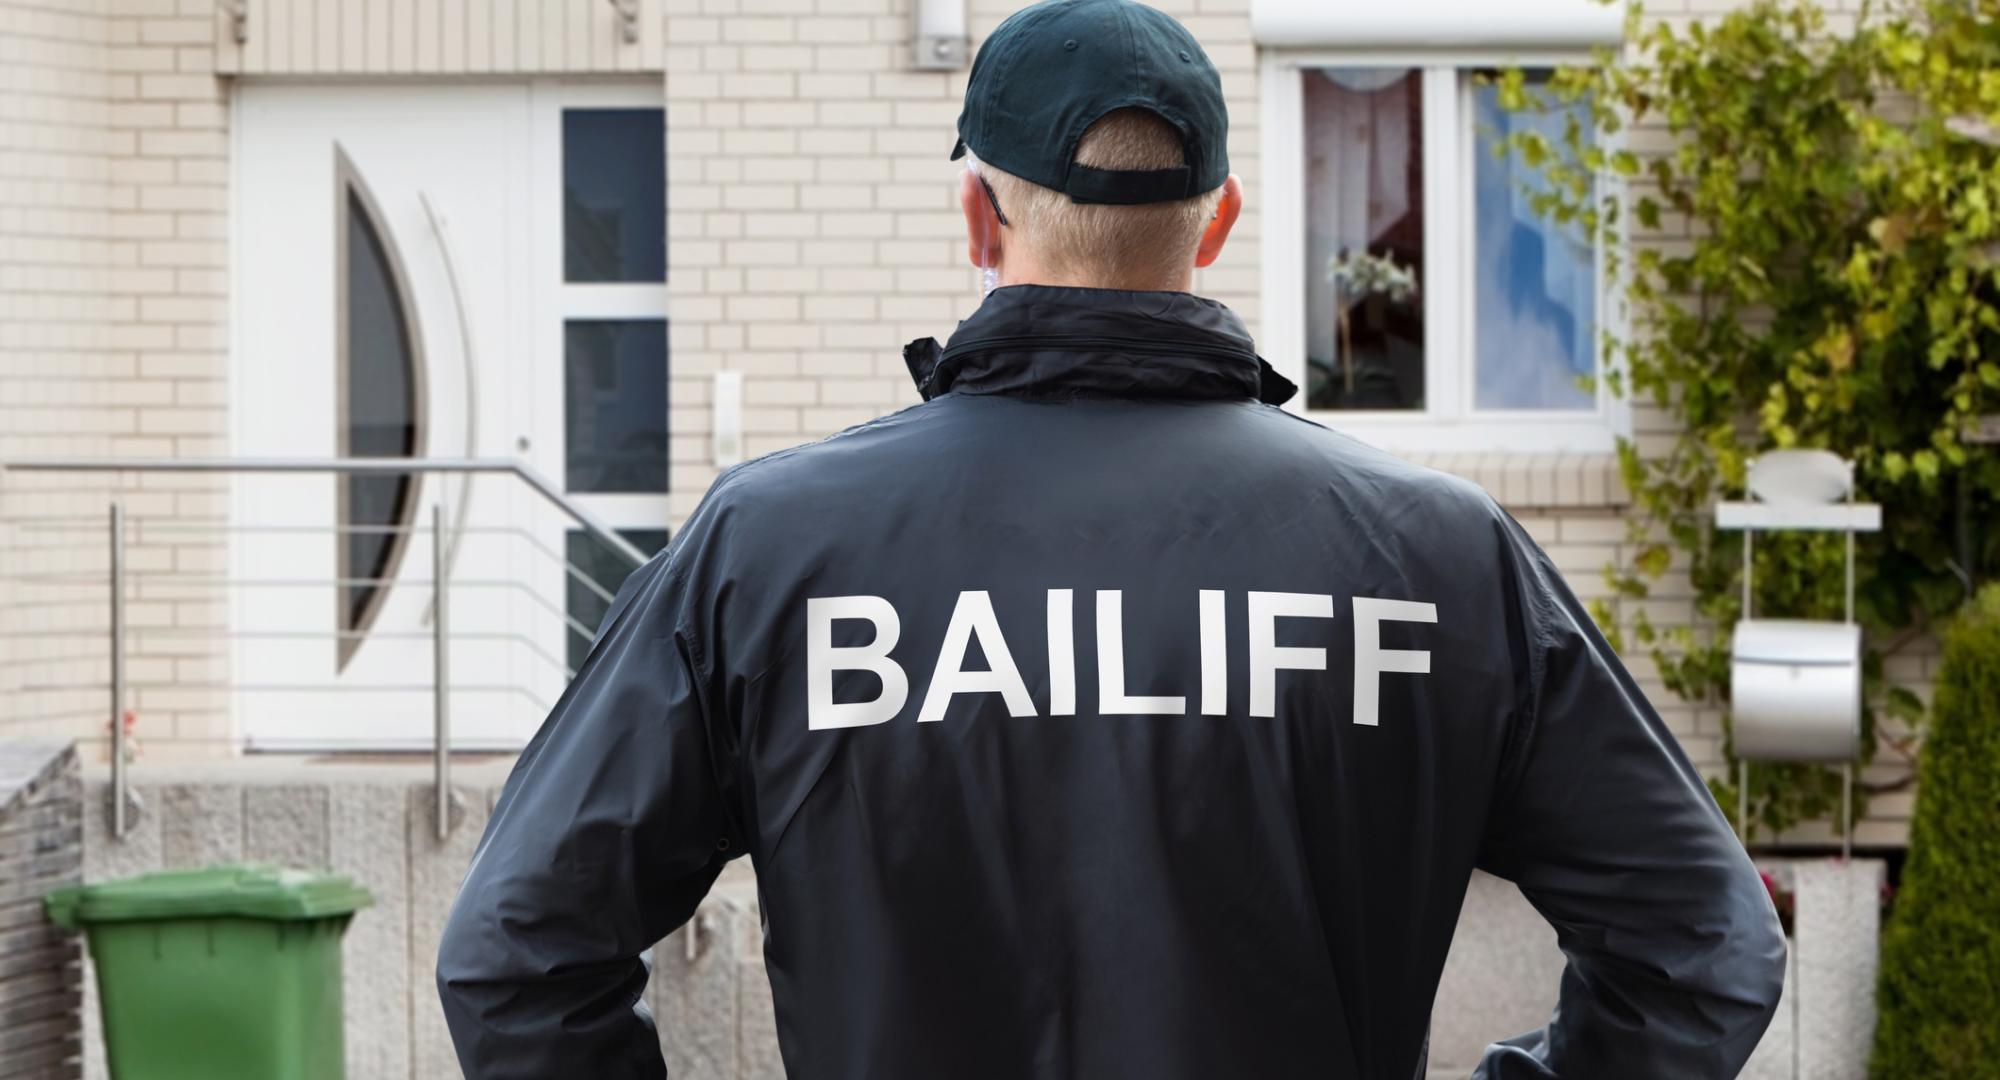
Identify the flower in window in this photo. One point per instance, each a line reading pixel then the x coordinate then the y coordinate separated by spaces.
pixel 1357 276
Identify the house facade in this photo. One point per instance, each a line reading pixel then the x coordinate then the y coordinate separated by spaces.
pixel 626 243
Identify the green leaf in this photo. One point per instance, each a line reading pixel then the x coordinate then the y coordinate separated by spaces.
pixel 1833 280
pixel 1647 209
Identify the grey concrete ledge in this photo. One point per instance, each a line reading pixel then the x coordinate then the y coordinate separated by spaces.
pixel 371 819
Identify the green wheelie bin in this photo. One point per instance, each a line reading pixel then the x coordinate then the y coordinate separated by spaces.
pixel 225 972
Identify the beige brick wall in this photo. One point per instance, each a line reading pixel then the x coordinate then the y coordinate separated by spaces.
pixel 812 230
pixel 812 217
pixel 114 232
pixel 114 345
pixel 1912 663
pixel 55 356
pixel 169 142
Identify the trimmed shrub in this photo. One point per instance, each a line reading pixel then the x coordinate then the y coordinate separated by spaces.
pixel 1939 996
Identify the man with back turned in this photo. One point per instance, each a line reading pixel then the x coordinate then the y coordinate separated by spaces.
pixel 1098 718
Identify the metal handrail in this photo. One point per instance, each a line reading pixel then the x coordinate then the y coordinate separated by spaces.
pixel 289 688
pixel 119 782
pixel 185 580
pixel 441 673
pixel 440 572
pixel 266 635
pixel 146 528
pixel 603 533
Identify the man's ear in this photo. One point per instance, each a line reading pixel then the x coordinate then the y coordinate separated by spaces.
pixel 1226 210
pixel 982 225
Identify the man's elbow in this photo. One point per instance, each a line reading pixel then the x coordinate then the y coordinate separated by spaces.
pixel 448 964
pixel 461 961
pixel 1748 978
pixel 1767 959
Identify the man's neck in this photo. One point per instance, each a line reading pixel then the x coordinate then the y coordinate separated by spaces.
pixel 1148 282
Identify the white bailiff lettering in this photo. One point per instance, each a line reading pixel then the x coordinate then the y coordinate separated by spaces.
pixel 1266 656
pixel 1062 652
pixel 823 659
pixel 973 618
pixel 1111 697
pixel 1371 660
pixel 1214 654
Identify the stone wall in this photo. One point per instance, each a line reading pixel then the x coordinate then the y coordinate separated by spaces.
pixel 373 823
pixel 1501 976
pixel 709 991
pixel 41 850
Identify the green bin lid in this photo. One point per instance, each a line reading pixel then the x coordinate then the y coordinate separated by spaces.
pixel 245 890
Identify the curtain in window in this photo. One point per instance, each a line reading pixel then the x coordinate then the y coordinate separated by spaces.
pixel 1535 281
pixel 1364 198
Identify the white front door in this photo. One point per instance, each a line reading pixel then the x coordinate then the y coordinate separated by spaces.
pixel 438 270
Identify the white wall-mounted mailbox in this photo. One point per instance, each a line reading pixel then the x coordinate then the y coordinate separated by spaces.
pixel 1795 685
pixel 1795 690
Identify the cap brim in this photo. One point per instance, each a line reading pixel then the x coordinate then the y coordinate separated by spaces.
pixel 958 151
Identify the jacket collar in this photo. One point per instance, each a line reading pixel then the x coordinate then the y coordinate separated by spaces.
pixel 1059 341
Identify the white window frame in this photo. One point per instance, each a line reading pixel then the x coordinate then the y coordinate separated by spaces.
pixel 1449 422
pixel 557 300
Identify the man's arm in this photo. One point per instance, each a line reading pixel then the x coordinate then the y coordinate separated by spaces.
pixel 607 836
pixel 1675 953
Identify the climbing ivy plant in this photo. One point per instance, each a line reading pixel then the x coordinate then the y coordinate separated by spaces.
pixel 1798 211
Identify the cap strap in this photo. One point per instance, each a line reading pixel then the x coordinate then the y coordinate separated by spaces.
pixel 1126 186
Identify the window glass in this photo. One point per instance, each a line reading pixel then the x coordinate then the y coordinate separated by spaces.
pixel 1364 238
pixel 615 405
pixel 614 195
pixel 1535 281
pixel 589 557
pixel 378 369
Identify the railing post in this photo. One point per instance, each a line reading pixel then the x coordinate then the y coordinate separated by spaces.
pixel 441 670
pixel 1847 811
pixel 118 777
pixel 1743 801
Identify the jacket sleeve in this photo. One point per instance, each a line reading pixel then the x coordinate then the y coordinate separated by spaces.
pixel 609 832
pixel 1675 954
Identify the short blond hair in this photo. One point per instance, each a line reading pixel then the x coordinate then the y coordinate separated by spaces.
pixel 1115 246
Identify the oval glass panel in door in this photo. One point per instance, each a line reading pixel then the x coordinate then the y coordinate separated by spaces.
pixel 381 407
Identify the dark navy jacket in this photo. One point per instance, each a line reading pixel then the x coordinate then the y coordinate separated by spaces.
pixel 1099 719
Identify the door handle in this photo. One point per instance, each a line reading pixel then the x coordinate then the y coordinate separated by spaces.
pixel 461 505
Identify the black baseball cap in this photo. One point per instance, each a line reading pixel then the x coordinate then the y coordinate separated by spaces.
pixel 1052 70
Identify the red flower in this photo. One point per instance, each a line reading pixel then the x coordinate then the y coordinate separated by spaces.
pixel 1782 900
